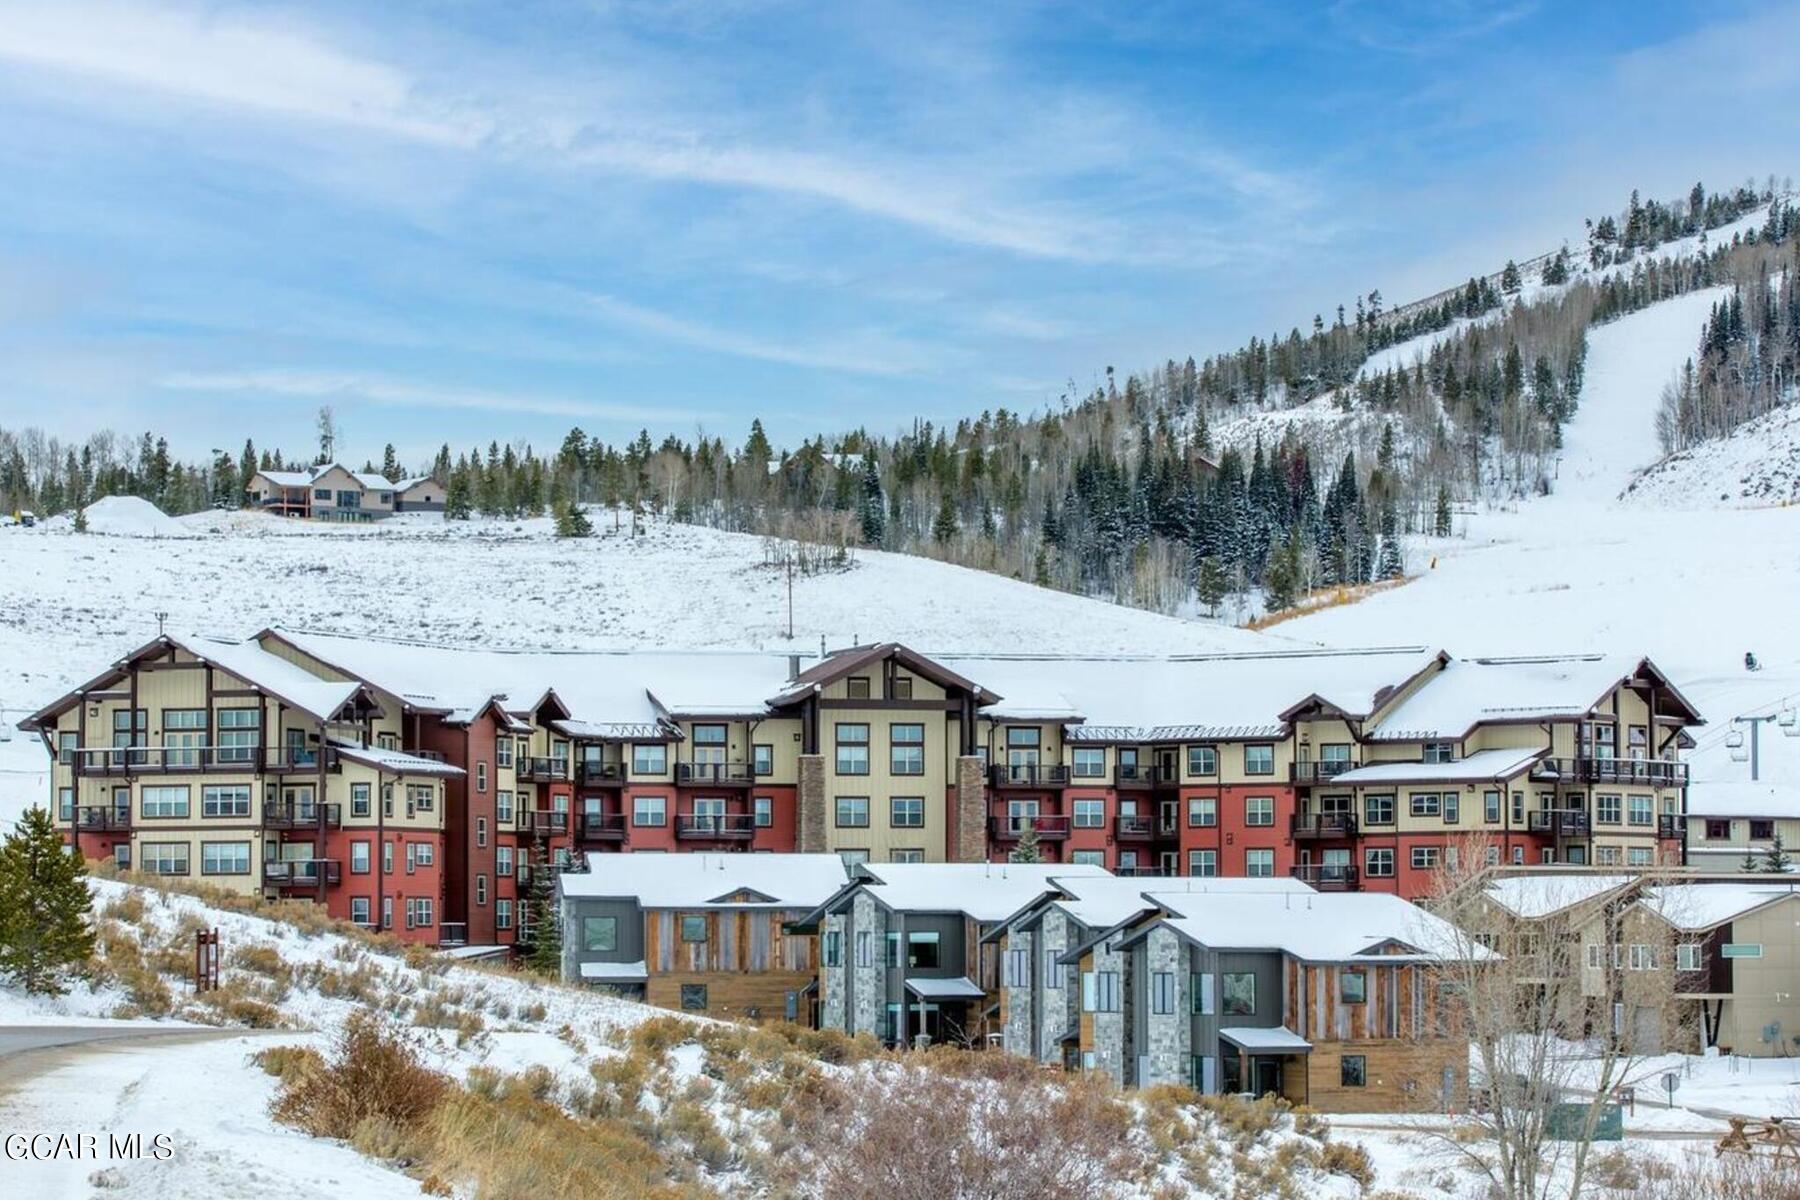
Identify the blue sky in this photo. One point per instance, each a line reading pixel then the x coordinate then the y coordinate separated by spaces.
pixel 458 220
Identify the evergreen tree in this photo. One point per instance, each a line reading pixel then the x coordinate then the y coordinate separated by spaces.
pixel 943 529
pixel 390 465
pixel 1281 582
pixel 1028 850
pixel 1212 584
pixel 81 522
pixel 1749 863
pixel 545 952
pixel 459 505
pixel 1440 524
pixel 572 521
pixel 1775 860
pixel 872 509
pixel 44 906
pixel 246 468
pixel 1509 278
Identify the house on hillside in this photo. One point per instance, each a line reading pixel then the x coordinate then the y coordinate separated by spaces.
pixel 333 492
pixel 697 932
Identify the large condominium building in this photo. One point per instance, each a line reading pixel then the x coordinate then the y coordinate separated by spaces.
pixel 1354 770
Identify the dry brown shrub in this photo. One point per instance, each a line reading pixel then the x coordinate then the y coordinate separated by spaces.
pixel 372 1072
pixel 1347 1159
pixel 1730 1176
pixel 285 1062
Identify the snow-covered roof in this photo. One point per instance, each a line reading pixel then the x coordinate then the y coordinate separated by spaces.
pixel 1477 767
pixel 1273 1039
pixel 1536 896
pixel 288 479
pixel 1313 927
pixel 954 987
pixel 1468 691
pixel 614 731
pixel 1695 907
pixel 396 761
pixel 1185 697
pixel 321 698
pixel 709 880
pixel 1103 903
pixel 616 972
pixel 372 481
pixel 982 891
pixel 1742 798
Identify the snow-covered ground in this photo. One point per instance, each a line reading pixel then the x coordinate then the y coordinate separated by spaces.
pixel 1756 465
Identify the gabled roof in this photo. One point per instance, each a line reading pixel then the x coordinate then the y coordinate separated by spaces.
pixel 776 881
pixel 1534 895
pixel 1697 907
pixel 984 892
pixel 395 761
pixel 1322 927
pixel 1472 691
pixel 847 662
pixel 1479 767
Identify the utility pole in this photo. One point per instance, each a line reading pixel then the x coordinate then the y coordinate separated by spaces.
pixel 1755 724
pixel 789 559
pixel 161 619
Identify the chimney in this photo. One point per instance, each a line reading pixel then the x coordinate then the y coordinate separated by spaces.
pixel 793 667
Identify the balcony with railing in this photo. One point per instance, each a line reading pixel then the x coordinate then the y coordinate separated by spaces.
pixel 1047 828
pixel 541 769
pixel 1322 826
pixel 1320 771
pixel 600 826
pixel 1643 772
pixel 299 815
pixel 726 827
pixel 224 760
pixel 544 822
pixel 300 872
pixel 1134 775
pixel 1561 822
pixel 1135 827
pixel 103 818
pixel 1141 872
pixel 599 774
pixel 1028 775
pixel 1328 877
pixel 453 933
pixel 1668 826
pixel 714 774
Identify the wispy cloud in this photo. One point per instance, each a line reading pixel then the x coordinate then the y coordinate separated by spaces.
pixel 340 386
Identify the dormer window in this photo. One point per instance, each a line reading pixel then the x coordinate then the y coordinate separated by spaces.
pixel 1440 752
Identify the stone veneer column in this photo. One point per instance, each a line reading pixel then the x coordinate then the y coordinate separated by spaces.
pixel 1170 1035
pixel 810 801
pixel 969 821
pixel 1016 1037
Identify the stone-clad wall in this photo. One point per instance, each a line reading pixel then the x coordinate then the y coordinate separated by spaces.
pixel 1016 1036
pixel 1111 1049
pixel 810 801
pixel 970 819
pixel 831 979
pixel 869 983
pixel 1168 1036
pixel 1059 1005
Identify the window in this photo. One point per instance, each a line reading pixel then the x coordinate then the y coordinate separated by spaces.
pixel 66 744
pixel 865 948
pixel 165 801
pixel 1259 810
pixel 1237 991
pixel 1690 956
pixel 1642 958
pixel 857 687
pixel 599 934
pixel 833 949
pixel 1638 856
pixel 387 858
pixel 1761 831
pixel 1518 808
pixel 481 831
pixel 1162 992
pixel 906 812
pixel 852 749
pixel 1353 987
pixel 922 950
pixel 387 912
pixel 1638 809
pixel 901 688
pixel 909 854
pixel 224 858
pixel 1259 760
pixel 481 896
pixel 1606 856
pixel 762 759
pixel 1607 809
pixel 1200 993
pixel 1741 950
pixel 649 810
pixel 1378 862
pixel 503 753
pixel 1424 804
pixel 1259 864
pixel 503 860
pixel 503 806
pixel 164 858
pixel 649 758
pixel 359 800
pixel 1090 814
pixel 359 910
pixel 1090 763
pixel 1353 1070
pixel 418 912
pixel 714 736
pixel 693 929
pixel 1452 802
pixel 852 812
pixel 322 494
pixel 1378 810
pixel 1518 856
pixel 1017 968
pixel 359 858
pixel 1203 760
pixel 481 775
pixel 764 809
pixel 1717 831
pixel 65 804
pixel 426 852
pixel 1424 858
pixel 503 914
pixel 1203 810
pixel 1490 807
pixel 1088 858
pixel 412 857
pixel 231 800
pixel 421 797
pixel 1439 752
pixel 1054 976
pixel 906 749
pixel 1100 991
pixel 240 729
pixel 1203 864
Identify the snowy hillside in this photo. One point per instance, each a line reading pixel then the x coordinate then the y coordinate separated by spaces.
pixel 1757 464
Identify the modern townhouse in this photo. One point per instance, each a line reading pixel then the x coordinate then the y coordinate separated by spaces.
pixel 698 932
pixel 1733 945
pixel 222 761
pixel 336 493
pixel 1332 1000
pixel 903 948
pixel 1352 770
pixel 1042 951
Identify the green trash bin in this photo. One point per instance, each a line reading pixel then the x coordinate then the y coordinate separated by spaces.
pixel 1566 1121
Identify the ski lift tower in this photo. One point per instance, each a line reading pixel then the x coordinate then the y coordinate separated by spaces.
pixel 1735 740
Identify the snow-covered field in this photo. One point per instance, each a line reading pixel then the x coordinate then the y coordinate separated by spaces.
pixel 1756 466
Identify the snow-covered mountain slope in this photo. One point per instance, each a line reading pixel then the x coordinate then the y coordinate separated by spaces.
pixel 1756 465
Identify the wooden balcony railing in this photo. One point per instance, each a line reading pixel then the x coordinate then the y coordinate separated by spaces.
pixel 1323 825
pixel 726 774
pixel 1011 829
pixel 1028 775
pixel 600 826
pixel 600 773
pixel 1328 877
pixel 169 760
pixel 1644 772
pixel 1320 771
pixel 728 826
